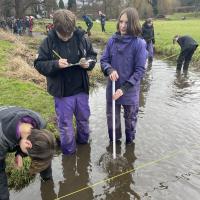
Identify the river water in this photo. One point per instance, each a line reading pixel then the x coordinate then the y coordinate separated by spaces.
pixel 162 164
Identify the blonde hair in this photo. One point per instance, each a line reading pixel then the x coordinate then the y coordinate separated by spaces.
pixel 41 153
pixel 134 26
pixel 64 21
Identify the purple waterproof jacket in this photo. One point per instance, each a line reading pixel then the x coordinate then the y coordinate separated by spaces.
pixel 127 55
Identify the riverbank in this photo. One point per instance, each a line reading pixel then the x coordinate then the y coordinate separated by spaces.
pixel 22 85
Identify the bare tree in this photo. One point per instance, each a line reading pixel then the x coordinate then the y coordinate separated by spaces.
pixel 167 6
pixel 20 6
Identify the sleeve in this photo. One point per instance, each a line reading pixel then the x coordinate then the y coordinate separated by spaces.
pixel 44 63
pixel 20 152
pixel 140 61
pixel 142 31
pixel 126 86
pixel 105 60
pixel 153 40
pixel 90 54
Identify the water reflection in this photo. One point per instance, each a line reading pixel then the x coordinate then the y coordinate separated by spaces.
pixel 47 190
pixel 145 87
pixel 182 87
pixel 122 187
pixel 75 172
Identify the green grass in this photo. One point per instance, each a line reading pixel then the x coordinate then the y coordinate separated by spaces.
pixel 28 95
pixel 178 16
pixel 165 31
pixel 5 48
pixel 18 178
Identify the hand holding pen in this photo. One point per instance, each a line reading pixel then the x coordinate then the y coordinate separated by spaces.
pixel 63 63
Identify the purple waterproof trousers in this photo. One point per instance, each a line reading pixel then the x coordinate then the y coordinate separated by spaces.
pixel 130 117
pixel 66 108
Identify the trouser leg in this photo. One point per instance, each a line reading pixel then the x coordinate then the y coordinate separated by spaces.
pixel 130 116
pixel 188 58
pixel 82 113
pixel 104 28
pixel 150 53
pixel 64 109
pixel 4 193
pixel 186 65
pixel 117 121
pixel 180 60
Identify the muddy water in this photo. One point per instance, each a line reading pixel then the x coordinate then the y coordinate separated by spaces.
pixel 165 155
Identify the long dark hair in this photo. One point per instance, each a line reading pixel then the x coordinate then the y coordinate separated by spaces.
pixel 134 26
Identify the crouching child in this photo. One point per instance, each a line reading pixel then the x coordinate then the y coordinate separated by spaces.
pixel 21 131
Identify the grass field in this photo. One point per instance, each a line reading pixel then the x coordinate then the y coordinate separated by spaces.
pixel 164 31
pixel 25 94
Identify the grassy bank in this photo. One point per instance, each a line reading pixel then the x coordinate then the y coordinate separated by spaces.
pixel 164 32
pixel 22 85
pixel 18 88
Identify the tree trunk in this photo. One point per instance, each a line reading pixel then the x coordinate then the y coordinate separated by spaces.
pixel 19 8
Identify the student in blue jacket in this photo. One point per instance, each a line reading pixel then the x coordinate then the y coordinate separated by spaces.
pixel 123 61
pixel 89 23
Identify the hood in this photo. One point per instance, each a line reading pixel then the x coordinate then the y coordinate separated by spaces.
pixel 123 40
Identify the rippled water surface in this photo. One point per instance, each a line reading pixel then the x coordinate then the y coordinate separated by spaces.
pixel 164 162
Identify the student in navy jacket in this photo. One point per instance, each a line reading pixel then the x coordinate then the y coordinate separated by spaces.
pixel 188 47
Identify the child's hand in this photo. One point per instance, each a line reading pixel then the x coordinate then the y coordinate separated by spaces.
pixel 63 63
pixel 84 63
pixel 117 94
pixel 24 145
pixel 18 162
pixel 114 76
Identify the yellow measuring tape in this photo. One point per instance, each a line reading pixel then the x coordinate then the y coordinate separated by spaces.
pixel 151 163
pixel 170 56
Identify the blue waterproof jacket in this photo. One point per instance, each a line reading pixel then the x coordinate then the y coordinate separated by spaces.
pixel 127 55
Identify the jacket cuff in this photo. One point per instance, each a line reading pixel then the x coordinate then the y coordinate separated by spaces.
pixel 126 86
pixel 109 71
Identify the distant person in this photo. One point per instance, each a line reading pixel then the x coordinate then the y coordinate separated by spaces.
pixel 22 131
pixel 65 57
pixel 89 23
pixel 102 20
pixel 49 26
pixel 148 35
pixel 19 26
pixel 123 61
pixel 188 46
pixel 30 25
